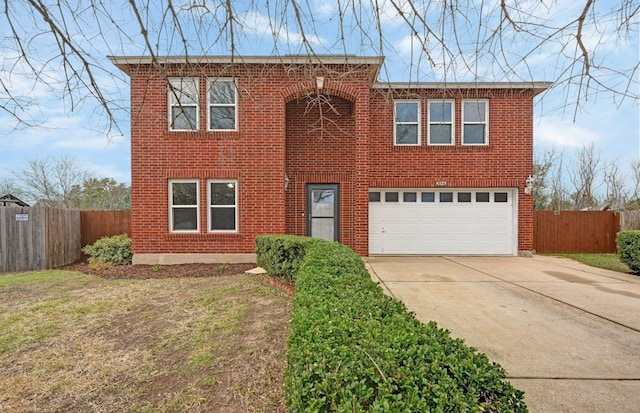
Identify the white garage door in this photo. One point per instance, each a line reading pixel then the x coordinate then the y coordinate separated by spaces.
pixel 443 221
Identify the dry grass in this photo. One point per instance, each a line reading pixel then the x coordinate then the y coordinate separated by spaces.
pixel 78 343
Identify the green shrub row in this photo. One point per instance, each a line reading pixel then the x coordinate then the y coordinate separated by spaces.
pixel 114 250
pixel 628 243
pixel 282 255
pixel 354 349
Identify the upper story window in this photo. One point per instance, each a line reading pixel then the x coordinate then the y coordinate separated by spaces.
pixel 223 107
pixel 223 205
pixel 183 104
pixel 441 121
pixel 407 122
pixel 475 122
pixel 183 205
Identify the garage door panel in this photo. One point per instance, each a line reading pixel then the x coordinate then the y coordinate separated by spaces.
pixel 442 228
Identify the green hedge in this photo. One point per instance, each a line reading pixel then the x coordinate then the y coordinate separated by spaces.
pixel 114 250
pixel 628 243
pixel 352 348
pixel 282 255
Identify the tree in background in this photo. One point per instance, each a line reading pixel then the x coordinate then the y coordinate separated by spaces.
pixel 63 183
pixel 52 182
pixel 104 193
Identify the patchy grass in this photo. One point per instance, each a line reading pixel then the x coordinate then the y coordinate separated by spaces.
pixel 607 261
pixel 75 342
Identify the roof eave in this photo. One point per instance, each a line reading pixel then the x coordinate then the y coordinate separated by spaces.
pixel 537 87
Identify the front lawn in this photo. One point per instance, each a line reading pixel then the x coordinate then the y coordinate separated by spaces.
pixel 606 261
pixel 76 342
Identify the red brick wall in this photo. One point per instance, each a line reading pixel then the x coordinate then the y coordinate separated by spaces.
pixel 506 161
pixel 275 136
pixel 254 155
pixel 320 148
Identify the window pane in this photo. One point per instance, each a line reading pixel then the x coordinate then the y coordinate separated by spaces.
pixel 482 197
pixel 446 196
pixel 406 112
pixel 406 134
pixel 409 197
pixel 222 92
pixel 464 196
pixel 184 117
pixel 474 134
pixel 390 197
pixel 439 112
pixel 474 111
pixel 184 193
pixel 185 219
pixel 428 197
pixel 223 193
pixel 440 134
pixel 183 91
pixel 500 197
pixel 223 117
pixel 374 196
pixel 223 219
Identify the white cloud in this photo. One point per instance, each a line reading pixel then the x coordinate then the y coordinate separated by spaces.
pixel 553 131
pixel 260 26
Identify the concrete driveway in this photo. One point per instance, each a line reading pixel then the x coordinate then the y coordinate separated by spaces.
pixel 567 334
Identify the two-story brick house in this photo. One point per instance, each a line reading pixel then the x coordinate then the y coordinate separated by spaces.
pixel 224 149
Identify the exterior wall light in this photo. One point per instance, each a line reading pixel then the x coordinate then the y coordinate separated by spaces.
pixel 319 82
pixel 528 185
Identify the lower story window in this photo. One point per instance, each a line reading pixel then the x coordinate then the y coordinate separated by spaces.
pixel 183 205
pixel 223 205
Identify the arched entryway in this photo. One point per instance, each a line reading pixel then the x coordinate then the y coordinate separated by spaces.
pixel 319 166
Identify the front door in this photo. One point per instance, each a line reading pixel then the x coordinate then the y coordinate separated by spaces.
pixel 322 211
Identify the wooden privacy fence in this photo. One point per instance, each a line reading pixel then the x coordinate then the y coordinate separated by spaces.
pixel 575 231
pixel 97 224
pixel 38 238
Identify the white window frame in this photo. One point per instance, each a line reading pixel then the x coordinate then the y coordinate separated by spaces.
pixel 211 105
pixel 210 207
pixel 485 123
pixel 396 123
pixel 172 207
pixel 174 90
pixel 452 123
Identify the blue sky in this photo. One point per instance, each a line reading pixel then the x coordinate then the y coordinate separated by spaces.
pixel 64 123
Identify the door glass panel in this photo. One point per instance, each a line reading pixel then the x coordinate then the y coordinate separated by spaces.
pixel 409 197
pixel 323 228
pixel 390 197
pixel 446 196
pixel 322 203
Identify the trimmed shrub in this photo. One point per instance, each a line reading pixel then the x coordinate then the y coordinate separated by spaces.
pixel 628 243
pixel 282 255
pixel 114 250
pixel 352 348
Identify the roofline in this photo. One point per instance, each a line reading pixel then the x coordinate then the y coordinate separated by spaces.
pixel 537 87
pixel 123 62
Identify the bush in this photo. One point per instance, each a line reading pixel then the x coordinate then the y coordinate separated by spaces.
pixel 352 348
pixel 114 250
pixel 282 255
pixel 628 243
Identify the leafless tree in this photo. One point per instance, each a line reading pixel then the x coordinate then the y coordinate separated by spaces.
pixel 633 201
pixel 614 182
pixel 10 187
pixel 559 198
pixel 583 175
pixel 53 181
pixel 60 45
pixel 543 167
